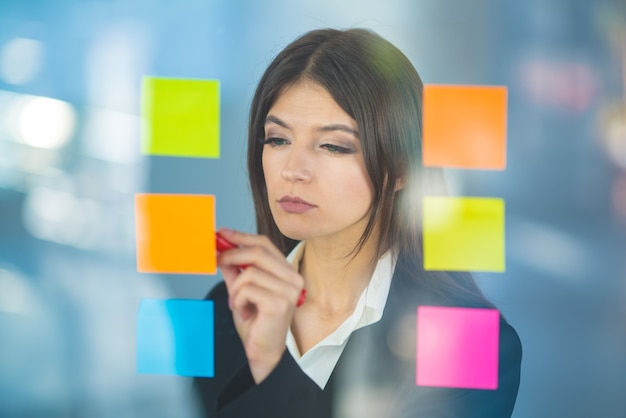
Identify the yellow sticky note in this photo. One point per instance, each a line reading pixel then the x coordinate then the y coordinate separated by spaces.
pixel 175 233
pixel 462 233
pixel 180 117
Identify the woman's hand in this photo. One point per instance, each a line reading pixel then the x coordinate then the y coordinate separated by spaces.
pixel 262 297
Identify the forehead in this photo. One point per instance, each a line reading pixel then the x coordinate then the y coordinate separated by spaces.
pixel 307 102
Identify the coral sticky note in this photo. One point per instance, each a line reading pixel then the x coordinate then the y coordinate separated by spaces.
pixel 175 233
pixel 180 117
pixel 463 233
pixel 457 347
pixel 465 126
pixel 175 337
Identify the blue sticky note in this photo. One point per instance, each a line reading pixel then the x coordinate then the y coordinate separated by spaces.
pixel 175 337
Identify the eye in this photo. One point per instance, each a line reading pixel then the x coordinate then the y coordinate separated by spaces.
pixel 336 149
pixel 275 142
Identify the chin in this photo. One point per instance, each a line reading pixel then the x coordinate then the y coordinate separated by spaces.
pixel 295 232
pixel 294 235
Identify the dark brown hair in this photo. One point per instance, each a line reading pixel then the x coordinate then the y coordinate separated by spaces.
pixel 376 84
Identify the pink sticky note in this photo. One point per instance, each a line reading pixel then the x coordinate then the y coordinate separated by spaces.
pixel 457 347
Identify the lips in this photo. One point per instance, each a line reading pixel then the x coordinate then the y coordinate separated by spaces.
pixel 293 204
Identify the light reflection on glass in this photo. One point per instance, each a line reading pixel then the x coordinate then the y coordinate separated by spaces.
pixel 40 122
pixel 20 60
pixel 46 123
pixel 112 136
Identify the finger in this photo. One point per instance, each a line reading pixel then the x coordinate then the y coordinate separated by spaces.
pixel 262 253
pixel 229 271
pixel 248 240
pixel 280 288
pixel 254 299
pixel 242 314
pixel 262 259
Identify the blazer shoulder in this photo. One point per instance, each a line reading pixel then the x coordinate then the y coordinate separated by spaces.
pixel 217 292
pixel 219 295
pixel 510 344
pixel 224 325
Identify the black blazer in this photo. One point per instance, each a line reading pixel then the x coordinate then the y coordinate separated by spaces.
pixel 374 377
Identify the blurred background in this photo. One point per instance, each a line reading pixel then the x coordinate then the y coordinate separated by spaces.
pixel 70 74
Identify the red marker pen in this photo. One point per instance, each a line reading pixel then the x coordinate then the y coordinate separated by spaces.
pixel 222 245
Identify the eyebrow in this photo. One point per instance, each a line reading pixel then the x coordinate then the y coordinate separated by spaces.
pixel 325 128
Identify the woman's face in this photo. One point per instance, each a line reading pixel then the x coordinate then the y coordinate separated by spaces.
pixel 316 179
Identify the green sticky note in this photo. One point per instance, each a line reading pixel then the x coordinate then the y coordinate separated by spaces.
pixel 180 117
pixel 463 234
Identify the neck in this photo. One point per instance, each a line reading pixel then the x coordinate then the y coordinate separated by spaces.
pixel 334 277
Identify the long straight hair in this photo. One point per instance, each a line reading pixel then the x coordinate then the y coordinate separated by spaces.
pixel 376 84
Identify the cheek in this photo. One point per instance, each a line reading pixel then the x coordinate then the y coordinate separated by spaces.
pixel 353 186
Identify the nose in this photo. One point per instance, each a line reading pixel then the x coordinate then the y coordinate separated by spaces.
pixel 297 167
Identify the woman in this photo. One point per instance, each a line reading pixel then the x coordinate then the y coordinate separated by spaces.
pixel 334 162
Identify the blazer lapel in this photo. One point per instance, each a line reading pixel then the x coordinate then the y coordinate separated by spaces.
pixel 379 358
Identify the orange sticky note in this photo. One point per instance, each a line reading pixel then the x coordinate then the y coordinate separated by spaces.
pixel 465 127
pixel 175 233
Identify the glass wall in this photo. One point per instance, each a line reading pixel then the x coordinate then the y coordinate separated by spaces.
pixel 71 164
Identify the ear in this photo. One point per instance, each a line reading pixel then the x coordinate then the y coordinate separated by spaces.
pixel 399 184
pixel 401 179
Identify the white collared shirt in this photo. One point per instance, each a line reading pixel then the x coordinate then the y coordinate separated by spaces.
pixel 319 362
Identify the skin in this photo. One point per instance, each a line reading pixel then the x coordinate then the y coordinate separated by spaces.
pixel 312 151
